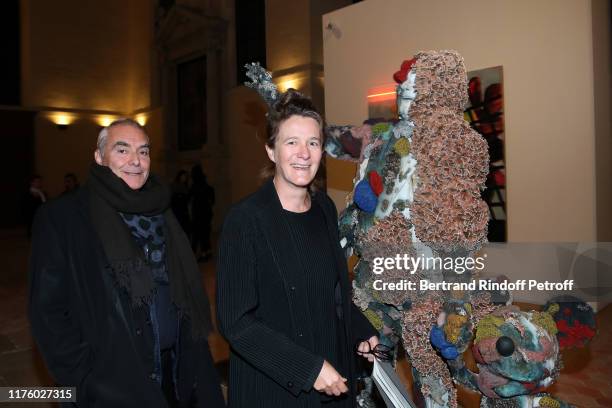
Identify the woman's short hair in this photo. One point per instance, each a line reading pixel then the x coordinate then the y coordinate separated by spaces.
pixel 292 103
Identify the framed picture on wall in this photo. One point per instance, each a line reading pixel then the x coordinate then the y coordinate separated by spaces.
pixel 485 113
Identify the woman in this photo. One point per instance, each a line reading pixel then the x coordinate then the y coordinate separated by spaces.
pixel 283 295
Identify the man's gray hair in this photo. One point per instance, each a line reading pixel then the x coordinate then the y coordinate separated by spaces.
pixel 103 135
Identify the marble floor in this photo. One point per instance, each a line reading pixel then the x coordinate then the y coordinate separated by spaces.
pixel 586 380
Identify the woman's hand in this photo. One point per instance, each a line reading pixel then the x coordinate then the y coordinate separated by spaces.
pixel 367 346
pixel 330 381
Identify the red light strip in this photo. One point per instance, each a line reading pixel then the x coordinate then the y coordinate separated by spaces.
pixel 381 94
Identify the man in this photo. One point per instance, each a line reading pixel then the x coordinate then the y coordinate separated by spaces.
pixel 34 198
pixel 71 183
pixel 116 301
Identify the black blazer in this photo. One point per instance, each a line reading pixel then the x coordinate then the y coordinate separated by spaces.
pixel 262 306
pixel 88 334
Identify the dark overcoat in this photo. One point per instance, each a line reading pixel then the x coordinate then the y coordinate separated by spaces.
pixel 262 306
pixel 89 335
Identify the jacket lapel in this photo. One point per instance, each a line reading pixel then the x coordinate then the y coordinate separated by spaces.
pixel 340 260
pixel 275 228
pixel 285 256
pixel 332 232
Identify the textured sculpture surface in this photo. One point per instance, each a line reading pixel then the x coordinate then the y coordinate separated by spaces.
pixel 417 191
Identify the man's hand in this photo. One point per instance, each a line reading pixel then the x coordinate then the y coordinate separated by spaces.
pixel 367 346
pixel 330 381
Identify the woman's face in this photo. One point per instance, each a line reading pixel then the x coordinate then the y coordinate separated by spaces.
pixel 297 152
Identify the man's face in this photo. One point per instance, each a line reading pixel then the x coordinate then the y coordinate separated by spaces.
pixel 127 154
pixel 297 152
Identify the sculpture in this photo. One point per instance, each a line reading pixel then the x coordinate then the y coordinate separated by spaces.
pixel 417 192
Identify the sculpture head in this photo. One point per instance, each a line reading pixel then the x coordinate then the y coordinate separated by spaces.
pixel 405 91
pixel 441 83
pixel 406 94
pixel 517 353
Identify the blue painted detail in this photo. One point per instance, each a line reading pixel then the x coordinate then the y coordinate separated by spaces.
pixel 364 197
pixel 438 340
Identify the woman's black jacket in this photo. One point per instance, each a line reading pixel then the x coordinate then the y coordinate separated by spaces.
pixel 263 310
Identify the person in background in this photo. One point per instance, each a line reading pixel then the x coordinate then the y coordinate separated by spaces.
pixel 71 183
pixel 33 199
pixel 202 201
pixel 283 291
pixel 180 200
pixel 116 306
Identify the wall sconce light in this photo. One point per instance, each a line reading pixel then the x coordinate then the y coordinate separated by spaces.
pixel 141 118
pixel 283 86
pixel 382 93
pixel 61 119
pixel 105 120
pixel 291 82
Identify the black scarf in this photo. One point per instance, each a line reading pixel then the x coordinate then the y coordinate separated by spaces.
pixel 130 272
